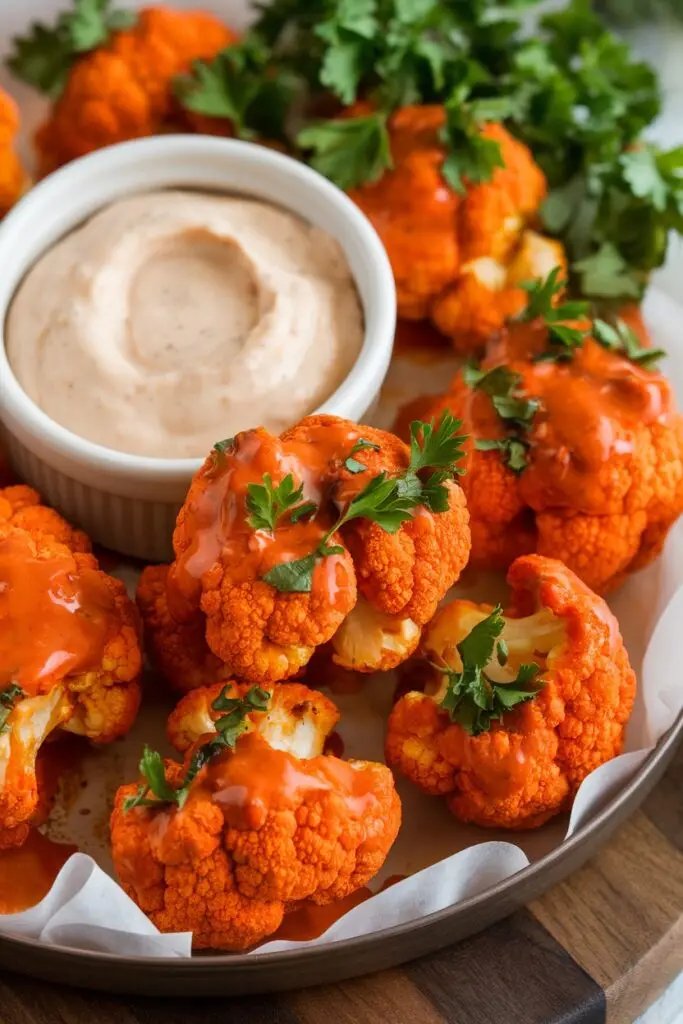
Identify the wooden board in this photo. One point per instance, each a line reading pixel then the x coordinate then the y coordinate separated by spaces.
pixel 600 947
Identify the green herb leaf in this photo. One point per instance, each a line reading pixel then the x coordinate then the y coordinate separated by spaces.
pixel 44 56
pixel 606 274
pixel 8 698
pixel 266 503
pixel 152 771
pixel 349 151
pixel 354 466
pixel 619 337
pixel 514 408
pixel 542 305
pixel 294 577
pixel 437 446
pixel 513 450
pixel 221 447
pixel 472 699
pixel 470 157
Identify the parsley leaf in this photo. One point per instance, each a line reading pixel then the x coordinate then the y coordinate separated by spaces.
pixel 44 56
pixel 353 465
pixel 514 408
pixel 542 305
pixel 436 446
pixel 349 151
pixel 266 503
pixel 294 577
pixel 237 85
pixel 470 157
pixel 619 337
pixel 229 727
pixel 471 699
pixel 8 698
pixel 606 274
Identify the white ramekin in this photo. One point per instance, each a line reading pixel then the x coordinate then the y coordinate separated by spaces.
pixel 127 502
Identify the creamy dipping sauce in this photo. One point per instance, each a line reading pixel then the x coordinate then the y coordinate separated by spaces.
pixel 173 319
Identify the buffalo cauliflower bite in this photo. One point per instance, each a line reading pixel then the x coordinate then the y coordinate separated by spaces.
pixel 12 176
pixel 517 768
pixel 255 823
pixel 20 508
pixel 123 90
pixel 601 479
pixel 69 660
pixel 458 260
pixel 274 581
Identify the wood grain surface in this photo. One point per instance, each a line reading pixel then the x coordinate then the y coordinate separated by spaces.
pixel 598 948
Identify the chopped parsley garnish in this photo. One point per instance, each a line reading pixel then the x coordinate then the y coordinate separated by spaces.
pixel 619 337
pixel 470 157
pixel 44 56
pixel 352 464
pixel 514 408
pixel 472 699
pixel 542 305
pixel 388 501
pixel 349 151
pixel 8 698
pixel 229 727
pixel 268 503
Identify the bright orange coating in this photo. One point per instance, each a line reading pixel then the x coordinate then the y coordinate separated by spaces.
pixel 261 635
pixel 20 507
pixel 528 766
pixel 454 256
pixel 238 856
pixel 99 704
pixel 604 482
pixel 179 649
pixel 123 90
pixel 12 176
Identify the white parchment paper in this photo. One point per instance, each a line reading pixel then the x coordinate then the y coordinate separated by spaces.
pixel 444 861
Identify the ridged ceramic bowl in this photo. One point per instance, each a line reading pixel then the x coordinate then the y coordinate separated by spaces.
pixel 129 502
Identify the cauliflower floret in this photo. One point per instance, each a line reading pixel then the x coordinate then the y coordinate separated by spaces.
pixel 298 720
pixel 12 175
pixel 20 507
pixel 602 482
pixel 522 764
pixel 69 660
pixel 259 822
pixel 458 260
pixel 123 90
pixel 271 583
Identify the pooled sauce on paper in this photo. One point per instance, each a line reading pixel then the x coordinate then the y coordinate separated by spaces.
pixel 27 872
pixel 55 618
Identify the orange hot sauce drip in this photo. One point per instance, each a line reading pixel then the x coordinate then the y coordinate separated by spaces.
pixel 27 872
pixel 214 522
pixel 54 621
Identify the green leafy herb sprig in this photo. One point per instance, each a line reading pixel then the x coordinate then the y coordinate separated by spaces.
pixel 229 727
pixel 8 698
pixel 268 503
pixel 542 305
pixel 515 410
pixel 387 501
pixel 619 337
pixel 472 699
pixel 44 56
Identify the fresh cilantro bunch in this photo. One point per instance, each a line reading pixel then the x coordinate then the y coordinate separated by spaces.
pixel 238 85
pixel 581 102
pixel 43 57
pixel 229 727
pixel 8 698
pixel 472 699
pixel 435 451
pixel 515 409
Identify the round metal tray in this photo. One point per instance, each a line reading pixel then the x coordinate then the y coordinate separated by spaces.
pixel 269 972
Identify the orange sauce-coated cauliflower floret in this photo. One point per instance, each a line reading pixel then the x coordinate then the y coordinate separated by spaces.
pixel 69 659
pixel 268 824
pixel 12 176
pixel 366 590
pixel 458 260
pixel 123 90
pixel 603 480
pixel 528 763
